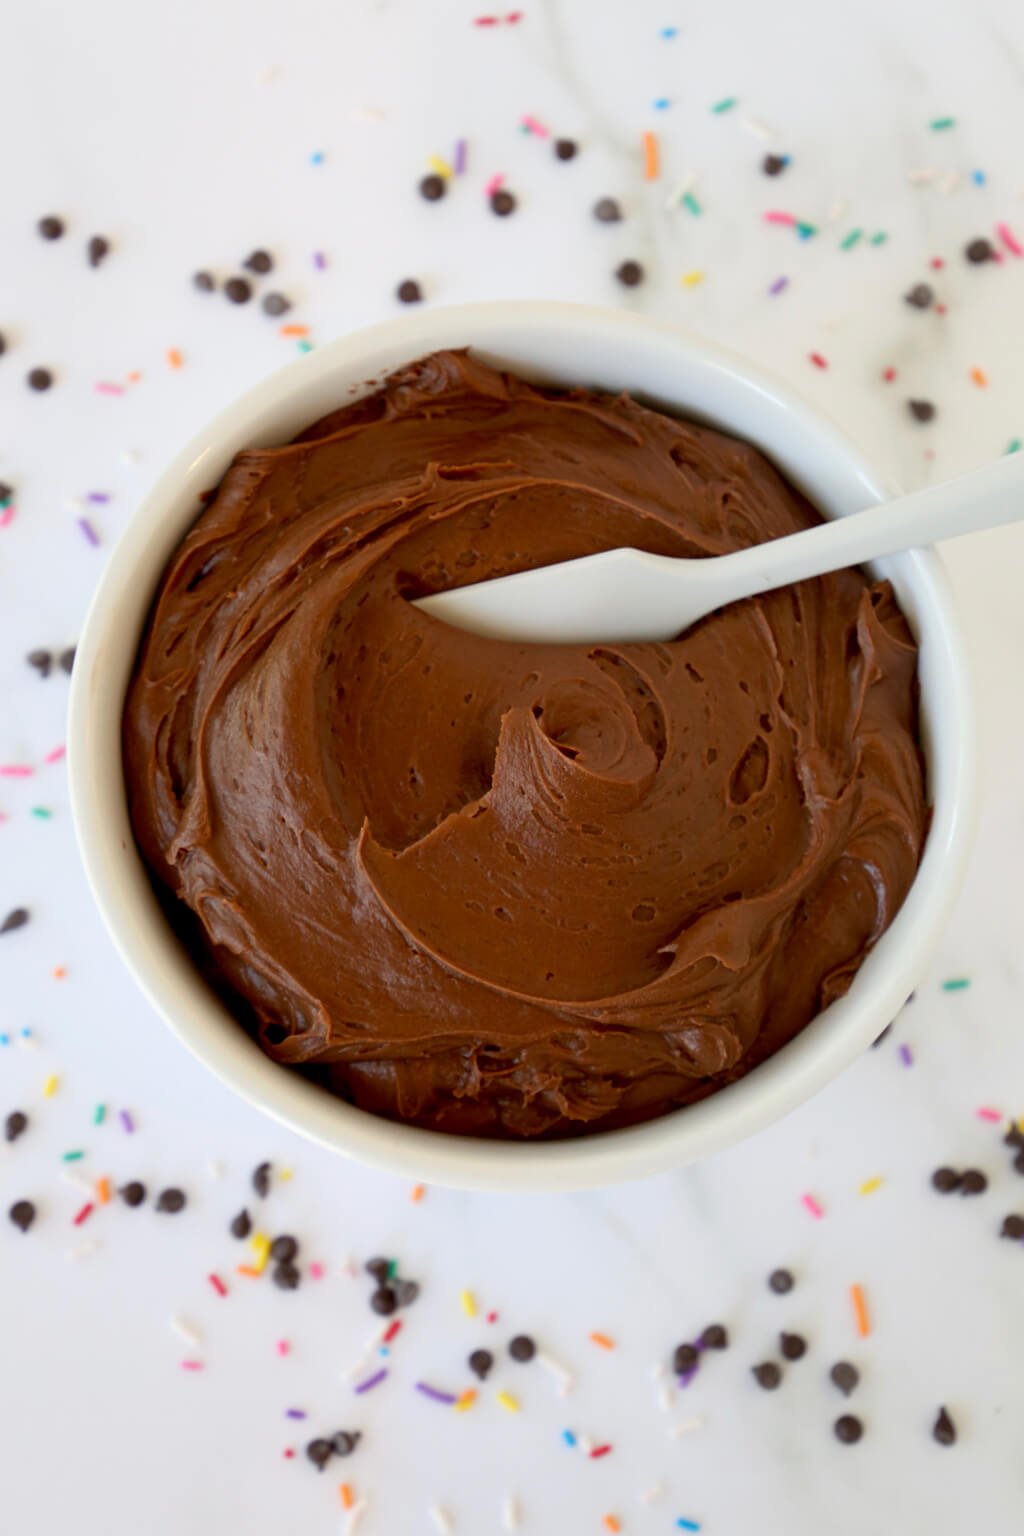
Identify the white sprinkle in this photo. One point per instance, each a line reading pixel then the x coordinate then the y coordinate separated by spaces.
pixel 352 1371
pixel 658 1370
pixel 366 114
pixel 837 210
pixel 184 1331
pixel 756 127
pixel 215 1168
pixel 82 1251
pixel 564 1378
pixel 675 197
pixel 129 456
pixel 355 1514
pixel 28 1042
pixel 267 75
pixel 441 1518
pixel 75 503
pixel 350 1268
pixel 922 177
pixel 585 1444
pixel 510 1513
pixel 949 183
pixel 685 1427
pixel 649 1495
pixel 666 1397
pixel 70 1177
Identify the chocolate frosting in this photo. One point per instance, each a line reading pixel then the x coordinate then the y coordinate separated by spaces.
pixel 509 889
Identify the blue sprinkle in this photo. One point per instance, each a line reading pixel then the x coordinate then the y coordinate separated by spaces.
pixel 5 1039
pixel 25 1032
pixel 317 157
pixel 661 103
pixel 568 1437
pixel 979 178
pixel 669 32
pixel 383 1350
pixel 687 1525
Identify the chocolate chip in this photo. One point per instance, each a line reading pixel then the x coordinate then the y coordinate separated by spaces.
pixel 607 211
pixel 97 250
pixel 1018 1161
pixel 684 1358
pixel 319 1453
pixel 433 188
pixel 979 251
pixel 41 660
pixel 275 304
pixel 17 918
pixel 480 1362
pixel 133 1194
pixel 238 290
pixel 630 273
pixel 714 1337
pixel 409 291
pixel 286 1277
pixel 406 1292
pixel 6 494
pixel 67 660
pixel 23 1214
pixel 921 410
pixel 921 296
pixel 565 149
pixel 973 1182
pixel 379 1268
pixel 844 1376
pixel 15 1125
pixel 39 379
pixel 522 1348
pixel 792 1345
pixel 848 1429
pixel 345 1441
pixel 1013 1227
pixel 384 1300
pixel 502 203
pixel 171 1201
pixel 1014 1136
pixel 241 1225
pixel 767 1375
pixel 204 281
pixel 774 165
pixel 945 1180
pixel 260 262
pixel 944 1430
pixel 283 1249
pixel 780 1281
pixel 51 228
pixel 261 1180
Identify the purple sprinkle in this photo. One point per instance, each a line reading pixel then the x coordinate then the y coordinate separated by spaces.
pixel 100 498
pixel 371 1382
pixel 319 260
pixel 779 284
pixel 127 1121
pixel 906 1056
pixel 460 156
pixel 687 1376
pixel 439 1397
pixel 89 531
pixel 295 1413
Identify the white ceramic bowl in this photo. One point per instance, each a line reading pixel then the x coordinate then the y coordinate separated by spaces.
pixel 562 344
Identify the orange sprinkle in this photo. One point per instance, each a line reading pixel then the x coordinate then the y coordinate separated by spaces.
pixel 466 1400
pixel 860 1311
pixel 417 1192
pixel 979 378
pixel 295 330
pixel 650 156
pixel 103 1191
pixel 602 1341
pixel 348 1498
pixel 133 378
pixel 174 357
pixel 247 1269
pixel 59 973
pixel 611 1523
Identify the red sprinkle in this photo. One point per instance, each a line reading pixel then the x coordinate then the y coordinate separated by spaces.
pixel 817 359
pixel 492 1317
pixel 84 1213
pixel 889 375
pixel 218 1285
pixel 598 1451
pixel 936 263
pixel 289 1454
pixel 390 1334
pixel 940 309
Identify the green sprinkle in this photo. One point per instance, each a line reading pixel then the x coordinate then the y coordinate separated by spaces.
pixel 937 124
pixel 956 984
pixel 725 105
pixel 851 240
pixel 1014 445
pixel 305 346
pixel 880 238
pixel 72 1157
pixel 41 813
pixel 99 1114
pixel 690 202
pixel 805 231
pixel 392 1268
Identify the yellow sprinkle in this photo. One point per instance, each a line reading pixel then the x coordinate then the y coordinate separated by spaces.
pixel 691 279
pixel 508 1401
pixel 284 1175
pixel 50 1086
pixel 869 1186
pixel 466 1400
pixel 468 1303
pixel 440 166
pixel 260 1246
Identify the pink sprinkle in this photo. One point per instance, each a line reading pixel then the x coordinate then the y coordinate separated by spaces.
pixel 492 1317
pixel 1010 240
pixel 536 127
pixel 6 516
pixel 485 21
pixel 460 157
pixel 779 285
pixel 89 531
pixel 989 1114
pixel 775 216
pixel 218 1285
pixel 127 1121
pixel 316 1270
pixel 104 387
pixel 493 185
pixel 16 771
pixel 889 374
pixel 319 260
pixel 282 1347
pixel 906 1056
pixel 810 1204
pixel 289 1455
pixel 56 755
pixel 84 1213
pixel 192 1365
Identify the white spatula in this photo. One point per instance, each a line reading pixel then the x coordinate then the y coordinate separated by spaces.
pixel 627 595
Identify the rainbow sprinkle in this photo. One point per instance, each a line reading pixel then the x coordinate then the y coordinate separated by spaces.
pixel 50 1086
pixel 691 279
pixel 906 1056
pixel 940 124
pixel 1008 238
pixel 810 1204
pixel 956 984
pixel 869 1186
pixel 508 1402
pixel 602 1341
pixel 435 1393
pixel 468 1303
pixel 725 105
pixel 992 1115
pixel 860 1311
pixel 371 1382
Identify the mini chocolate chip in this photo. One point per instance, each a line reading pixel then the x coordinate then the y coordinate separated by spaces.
pixel 1018 1161
pixel 241 1225
pixel 792 1345
pixel 980 250
pixel 14 919
pixel 345 1441
pixel 502 203
pixel 565 149
pixel 848 1429
pixel 774 165
pixel 286 1277
pixel 204 281
pixel 133 1193
pixel 945 1180
pixel 3 343
pixel 844 1376
pixel 39 379
pixel 607 211
pixel 973 1182
pixel 1014 1136
pixel 921 296
pixel 51 228
pixel 23 1214
pixel 406 1292
pixel 480 1362
pixel 383 1300
pixel 767 1375
pixel 97 249
pixel 684 1358
pixel 409 291
pixel 630 273
pixel 41 660
pixel 944 1430
pixel 67 660
pixel 715 1336
pixel 7 495
pixel 171 1201
pixel 378 1268
pixel 433 188
pixel 319 1453
pixel 283 1249
pixel 238 290
pixel 260 262
pixel 15 1125
pixel 1013 1227
pixel 921 410
pixel 261 1180
pixel 275 304
pixel 780 1281
pixel 522 1348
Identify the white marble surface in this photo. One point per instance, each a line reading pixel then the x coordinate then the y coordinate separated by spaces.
pixel 185 134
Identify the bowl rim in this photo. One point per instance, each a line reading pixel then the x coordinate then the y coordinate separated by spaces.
pixel 172 984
